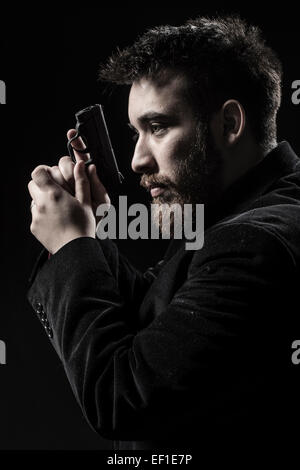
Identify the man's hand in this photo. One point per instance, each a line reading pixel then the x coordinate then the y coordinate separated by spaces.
pixel 63 174
pixel 57 216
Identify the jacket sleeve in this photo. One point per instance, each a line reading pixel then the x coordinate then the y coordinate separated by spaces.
pixel 131 384
pixel 132 284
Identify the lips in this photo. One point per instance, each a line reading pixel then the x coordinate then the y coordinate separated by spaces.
pixel 155 188
pixel 156 191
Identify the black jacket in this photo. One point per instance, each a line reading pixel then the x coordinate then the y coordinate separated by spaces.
pixel 199 347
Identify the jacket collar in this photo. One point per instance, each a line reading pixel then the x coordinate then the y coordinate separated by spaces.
pixel 278 163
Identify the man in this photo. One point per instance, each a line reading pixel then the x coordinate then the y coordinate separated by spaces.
pixel 198 349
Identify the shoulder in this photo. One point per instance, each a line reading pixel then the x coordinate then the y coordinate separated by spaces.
pixel 271 226
pixel 255 241
pixel 273 218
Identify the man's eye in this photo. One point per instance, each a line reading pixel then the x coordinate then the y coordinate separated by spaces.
pixel 157 128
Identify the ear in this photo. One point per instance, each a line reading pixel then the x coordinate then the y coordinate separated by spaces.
pixel 233 120
pixel 227 124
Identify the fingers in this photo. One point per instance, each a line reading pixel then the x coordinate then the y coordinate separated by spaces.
pixel 37 196
pixel 33 189
pixel 43 186
pixel 82 184
pixel 58 177
pixel 61 174
pixel 66 167
pixel 42 177
pixel 78 144
pixel 98 190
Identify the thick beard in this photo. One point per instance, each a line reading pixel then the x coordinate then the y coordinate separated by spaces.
pixel 196 181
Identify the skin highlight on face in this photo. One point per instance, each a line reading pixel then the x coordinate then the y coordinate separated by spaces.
pixel 174 149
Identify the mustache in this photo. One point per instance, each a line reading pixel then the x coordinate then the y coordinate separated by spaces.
pixel 150 181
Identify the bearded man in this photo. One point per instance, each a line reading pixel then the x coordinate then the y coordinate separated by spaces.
pixel 196 350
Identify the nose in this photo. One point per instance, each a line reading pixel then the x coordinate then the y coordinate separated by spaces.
pixel 143 160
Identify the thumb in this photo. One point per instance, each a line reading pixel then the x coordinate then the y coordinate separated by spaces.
pixel 82 185
pixel 98 190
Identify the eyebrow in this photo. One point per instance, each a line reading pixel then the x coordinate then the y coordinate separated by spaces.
pixel 151 116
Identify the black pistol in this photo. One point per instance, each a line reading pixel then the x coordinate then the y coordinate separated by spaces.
pixel 92 128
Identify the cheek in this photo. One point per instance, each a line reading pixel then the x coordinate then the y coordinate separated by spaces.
pixel 176 147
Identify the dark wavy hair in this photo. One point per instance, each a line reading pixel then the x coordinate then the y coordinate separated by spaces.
pixel 223 58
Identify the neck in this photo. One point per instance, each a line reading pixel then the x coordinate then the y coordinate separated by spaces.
pixel 240 159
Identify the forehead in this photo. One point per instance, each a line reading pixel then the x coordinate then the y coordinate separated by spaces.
pixel 167 97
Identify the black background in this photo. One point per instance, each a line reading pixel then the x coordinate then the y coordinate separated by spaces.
pixel 49 61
